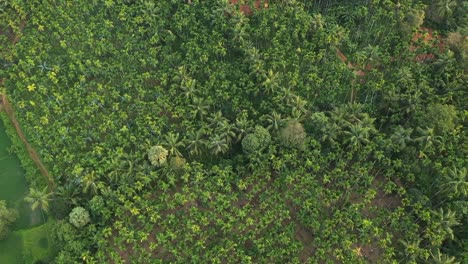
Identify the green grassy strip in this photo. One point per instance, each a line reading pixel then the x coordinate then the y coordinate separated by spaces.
pixel 37 244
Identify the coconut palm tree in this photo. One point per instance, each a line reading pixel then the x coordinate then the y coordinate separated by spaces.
pixel 428 138
pixel 274 121
pixel 456 183
pixel 439 258
pixel 199 108
pixel 216 119
pixel 68 193
pixel 218 145
pixel 196 142
pixel 401 137
pixel 357 135
pixel 39 199
pixel 243 127
pixel 189 88
pixel 446 220
pixel 173 144
pixel 271 82
pixel 227 131
pixel 444 9
pixel 90 183
pixel 182 75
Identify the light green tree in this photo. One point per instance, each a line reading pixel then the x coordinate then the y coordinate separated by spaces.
pixel 293 135
pixel 39 199
pixel 157 155
pixel 7 217
pixel 79 217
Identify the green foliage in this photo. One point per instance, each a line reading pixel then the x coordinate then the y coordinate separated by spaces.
pixel 79 217
pixel 412 21
pixel 177 163
pixel 256 141
pixel 441 117
pixel 38 244
pixel 39 199
pixel 157 155
pixel 7 217
pixel 293 135
pixel 382 172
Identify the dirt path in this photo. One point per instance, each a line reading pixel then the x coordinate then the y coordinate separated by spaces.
pixel 6 106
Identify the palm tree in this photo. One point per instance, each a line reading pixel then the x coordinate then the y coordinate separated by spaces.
pixel 456 183
pixel 297 104
pixel 443 61
pixel 274 121
pixel 287 94
pixel 427 138
pixel 254 60
pixel 330 132
pixel 271 81
pixel 401 137
pixel 340 116
pixel 39 199
pixel 196 142
pixel 227 131
pixel 68 193
pixel 216 119
pixel 357 135
pixel 439 258
pixel 218 145
pixel 444 9
pixel 199 108
pixel 446 220
pixel 243 127
pixel 189 88
pixel 90 183
pixel 172 143
pixel 182 75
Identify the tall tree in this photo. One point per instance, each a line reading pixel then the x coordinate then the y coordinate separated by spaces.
pixel 196 142
pixel 456 182
pixel 173 144
pixel 218 145
pixel 39 199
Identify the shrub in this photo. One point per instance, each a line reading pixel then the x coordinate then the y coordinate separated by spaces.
pixel 79 217
pixel 157 155
pixel 256 141
pixel 7 217
pixel 293 135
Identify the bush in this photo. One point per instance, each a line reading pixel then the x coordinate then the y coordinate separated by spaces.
pixel 157 155
pixel 441 117
pixel 177 164
pixel 7 217
pixel 293 135
pixel 256 141
pixel 79 217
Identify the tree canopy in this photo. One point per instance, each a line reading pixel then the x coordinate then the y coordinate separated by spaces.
pixel 233 131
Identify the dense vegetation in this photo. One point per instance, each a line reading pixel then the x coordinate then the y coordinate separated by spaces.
pixel 208 132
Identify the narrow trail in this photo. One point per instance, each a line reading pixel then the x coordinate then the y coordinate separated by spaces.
pixel 7 107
